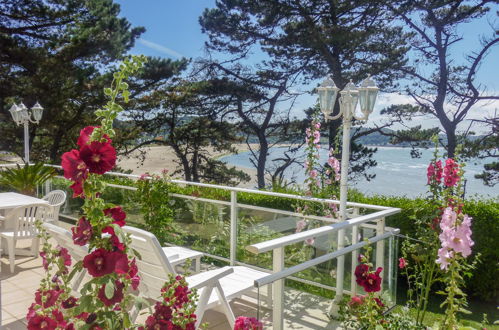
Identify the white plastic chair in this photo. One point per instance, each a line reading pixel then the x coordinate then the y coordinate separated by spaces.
pixel 56 199
pixel 22 226
pixel 215 287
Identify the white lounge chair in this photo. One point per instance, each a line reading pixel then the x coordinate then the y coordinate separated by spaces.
pixel 215 288
pixel 22 226
pixel 56 199
pixel 63 237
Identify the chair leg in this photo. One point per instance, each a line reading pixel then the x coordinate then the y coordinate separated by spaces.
pixel 12 256
pixel 225 305
pixel 35 246
pixel 202 302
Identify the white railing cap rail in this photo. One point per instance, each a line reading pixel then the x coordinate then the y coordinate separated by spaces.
pixel 252 191
pixel 317 232
pixel 316 261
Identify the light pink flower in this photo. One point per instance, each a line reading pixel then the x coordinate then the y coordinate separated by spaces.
pixel 317 137
pixel 300 225
pixel 444 256
pixel 310 241
pixel 313 173
pixel 448 218
pixel 317 125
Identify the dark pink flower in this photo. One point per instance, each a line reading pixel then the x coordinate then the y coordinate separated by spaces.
pixel 74 167
pixel 117 214
pixel 64 254
pixel 372 283
pixel 44 260
pixel 361 272
pixel 247 323
pixel 82 232
pixel 49 296
pixel 451 173
pixel 77 188
pixel 85 134
pixel 100 157
pixel 69 303
pixel 39 322
pixel 102 262
pixel 402 263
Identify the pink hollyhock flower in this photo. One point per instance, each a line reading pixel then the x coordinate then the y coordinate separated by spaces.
pixel 361 272
pixel 82 232
pixel 247 323
pixel 100 157
pixel 356 301
pixel 310 241
pixel 308 132
pixel 449 218
pixel 317 137
pixel 64 254
pixel 69 303
pixel 133 274
pixel 300 225
pixel 117 214
pixel 44 260
pixel 77 188
pixel 42 322
pixel 402 263
pixel 444 257
pixel 313 173
pixel 117 294
pixel 430 173
pixel 74 167
pixel 451 173
pixel 317 125
pixel 50 296
pixel 85 134
pixel 102 262
pixel 461 241
pixel 372 282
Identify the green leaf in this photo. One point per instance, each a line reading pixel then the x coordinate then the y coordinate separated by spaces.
pixel 108 91
pixel 109 289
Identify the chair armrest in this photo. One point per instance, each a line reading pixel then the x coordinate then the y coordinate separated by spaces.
pixel 172 257
pixel 203 279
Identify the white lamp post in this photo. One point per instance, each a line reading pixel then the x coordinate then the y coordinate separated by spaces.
pixel 349 97
pixel 22 116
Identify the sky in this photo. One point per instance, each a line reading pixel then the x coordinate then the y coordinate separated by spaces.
pixel 173 31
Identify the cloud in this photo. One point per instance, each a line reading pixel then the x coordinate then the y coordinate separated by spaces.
pixel 159 48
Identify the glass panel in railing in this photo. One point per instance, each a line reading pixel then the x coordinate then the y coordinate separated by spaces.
pixel 201 225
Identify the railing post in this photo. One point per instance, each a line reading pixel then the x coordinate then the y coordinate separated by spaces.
pixel 355 254
pixel 380 247
pixel 233 227
pixel 278 290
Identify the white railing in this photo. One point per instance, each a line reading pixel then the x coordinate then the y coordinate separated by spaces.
pixel 375 220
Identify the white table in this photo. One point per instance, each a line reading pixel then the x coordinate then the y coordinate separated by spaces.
pixel 9 201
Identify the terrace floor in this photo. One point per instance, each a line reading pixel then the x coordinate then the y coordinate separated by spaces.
pixel 302 311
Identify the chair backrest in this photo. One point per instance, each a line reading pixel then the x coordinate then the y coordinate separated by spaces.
pixel 25 218
pixel 153 263
pixel 64 238
pixel 56 199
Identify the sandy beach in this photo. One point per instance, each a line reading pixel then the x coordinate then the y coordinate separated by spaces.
pixel 158 158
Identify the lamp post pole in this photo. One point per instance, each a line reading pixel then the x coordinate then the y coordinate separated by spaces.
pixel 349 98
pixel 22 116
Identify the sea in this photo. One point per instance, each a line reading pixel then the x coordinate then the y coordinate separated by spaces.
pixel 397 173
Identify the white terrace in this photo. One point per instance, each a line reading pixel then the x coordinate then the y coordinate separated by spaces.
pixel 304 268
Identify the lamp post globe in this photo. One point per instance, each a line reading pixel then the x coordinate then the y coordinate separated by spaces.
pixel 368 92
pixel 328 93
pixel 37 111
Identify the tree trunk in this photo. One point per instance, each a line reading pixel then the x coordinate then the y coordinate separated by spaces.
pixel 262 160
